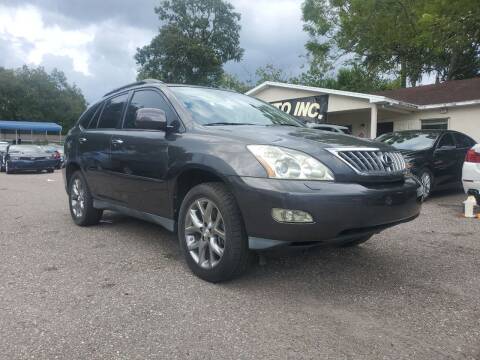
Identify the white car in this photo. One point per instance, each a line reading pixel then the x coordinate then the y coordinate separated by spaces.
pixel 471 172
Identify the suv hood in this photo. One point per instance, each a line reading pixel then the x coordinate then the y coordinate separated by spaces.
pixel 304 139
pixel 310 141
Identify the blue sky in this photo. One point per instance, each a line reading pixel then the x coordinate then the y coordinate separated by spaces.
pixel 93 41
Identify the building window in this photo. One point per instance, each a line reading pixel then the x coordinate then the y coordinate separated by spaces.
pixel 435 124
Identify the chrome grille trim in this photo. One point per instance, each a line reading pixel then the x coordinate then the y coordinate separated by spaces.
pixel 371 161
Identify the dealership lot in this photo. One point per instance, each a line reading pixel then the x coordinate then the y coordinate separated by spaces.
pixel 121 290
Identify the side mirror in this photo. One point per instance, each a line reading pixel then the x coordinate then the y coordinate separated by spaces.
pixel 151 119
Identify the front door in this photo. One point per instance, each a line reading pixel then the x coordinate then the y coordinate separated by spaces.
pixel 140 158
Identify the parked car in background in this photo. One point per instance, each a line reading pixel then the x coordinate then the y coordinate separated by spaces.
pixel 3 151
pixel 28 158
pixel 471 173
pixel 57 152
pixel 435 157
pixel 230 174
pixel 330 127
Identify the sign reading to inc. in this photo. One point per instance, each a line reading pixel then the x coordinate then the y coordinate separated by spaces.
pixel 311 109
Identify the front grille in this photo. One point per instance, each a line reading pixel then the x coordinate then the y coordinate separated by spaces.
pixel 32 158
pixel 370 161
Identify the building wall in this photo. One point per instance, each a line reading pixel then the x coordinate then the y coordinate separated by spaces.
pixel 345 103
pixel 358 120
pixel 335 102
pixel 273 94
pixel 464 119
pixel 343 110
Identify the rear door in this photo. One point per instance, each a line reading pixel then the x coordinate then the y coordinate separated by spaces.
pixel 463 143
pixel 445 160
pixel 140 157
pixel 95 145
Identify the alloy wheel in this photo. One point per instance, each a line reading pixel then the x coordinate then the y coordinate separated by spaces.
pixel 426 183
pixel 77 198
pixel 205 233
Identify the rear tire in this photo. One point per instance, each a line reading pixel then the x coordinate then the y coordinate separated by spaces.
pixel 356 242
pixel 50 171
pixel 81 202
pixel 211 233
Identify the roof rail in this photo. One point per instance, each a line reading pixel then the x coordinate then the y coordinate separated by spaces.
pixel 137 83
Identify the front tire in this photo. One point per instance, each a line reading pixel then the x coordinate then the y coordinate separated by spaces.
pixel 211 233
pixel 81 202
pixel 426 179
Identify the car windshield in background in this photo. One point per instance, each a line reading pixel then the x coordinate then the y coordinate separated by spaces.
pixel 31 149
pixel 212 107
pixel 409 140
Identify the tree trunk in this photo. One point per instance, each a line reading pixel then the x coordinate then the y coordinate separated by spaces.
pixel 403 74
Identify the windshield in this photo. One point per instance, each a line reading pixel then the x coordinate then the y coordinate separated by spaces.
pixel 24 149
pixel 409 140
pixel 212 107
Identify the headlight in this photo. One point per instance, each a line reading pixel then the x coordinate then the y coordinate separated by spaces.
pixel 283 163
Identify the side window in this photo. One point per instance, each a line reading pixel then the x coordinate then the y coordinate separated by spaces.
pixel 87 116
pixel 324 128
pixel 146 99
pixel 112 112
pixel 446 140
pixel 463 141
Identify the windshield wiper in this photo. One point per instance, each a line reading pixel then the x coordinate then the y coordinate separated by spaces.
pixel 226 123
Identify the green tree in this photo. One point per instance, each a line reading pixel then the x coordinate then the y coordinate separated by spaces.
pixel 450 31
pixel 355 78
pixel 197 37
pixel 404 38
pixel 33 94
pixel 270 72
pixel 232 82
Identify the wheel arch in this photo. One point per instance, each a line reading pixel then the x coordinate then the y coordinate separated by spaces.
pixel 70 169
pixel 189 178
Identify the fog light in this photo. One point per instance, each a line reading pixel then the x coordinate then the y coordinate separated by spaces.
pixel 291 216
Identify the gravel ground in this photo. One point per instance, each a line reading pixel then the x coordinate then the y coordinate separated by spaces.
pixel 121 290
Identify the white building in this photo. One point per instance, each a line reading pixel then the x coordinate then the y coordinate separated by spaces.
pixel 451 105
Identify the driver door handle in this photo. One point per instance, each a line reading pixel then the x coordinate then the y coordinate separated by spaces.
pixel 82 140
pixel 117 141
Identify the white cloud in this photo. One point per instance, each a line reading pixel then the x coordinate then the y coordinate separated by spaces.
pixel 94 42
pixel 25 25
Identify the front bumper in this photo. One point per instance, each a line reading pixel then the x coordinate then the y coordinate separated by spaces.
pixel 340 211
pixel 25 165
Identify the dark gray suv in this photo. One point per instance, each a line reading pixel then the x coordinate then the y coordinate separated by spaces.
pixel 230 174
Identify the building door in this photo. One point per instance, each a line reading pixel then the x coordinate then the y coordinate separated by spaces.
pixel 384 128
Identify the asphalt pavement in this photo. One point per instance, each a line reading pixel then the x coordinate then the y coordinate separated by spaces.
pixel 121 290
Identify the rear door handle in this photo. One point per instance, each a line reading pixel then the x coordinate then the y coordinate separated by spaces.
pixel 117 141
pixel 82 140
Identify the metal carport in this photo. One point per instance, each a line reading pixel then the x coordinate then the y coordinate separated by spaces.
pixel 32 126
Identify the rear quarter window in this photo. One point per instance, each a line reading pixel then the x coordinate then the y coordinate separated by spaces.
pixel 86 118
pixel 463 141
